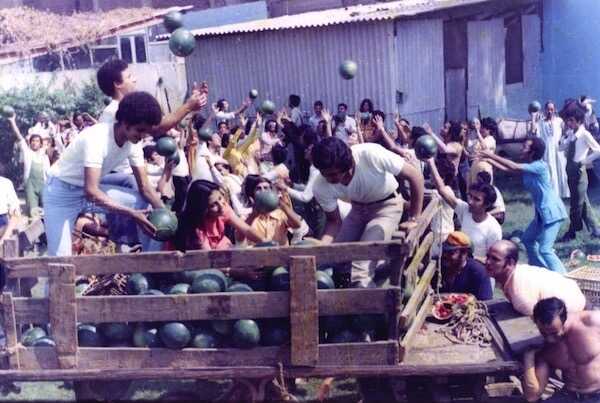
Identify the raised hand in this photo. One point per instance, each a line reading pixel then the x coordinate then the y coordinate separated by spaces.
pixel 326 115
pixel 427 128
pixel 378 120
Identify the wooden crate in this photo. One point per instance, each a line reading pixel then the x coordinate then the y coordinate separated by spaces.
pixel 303 305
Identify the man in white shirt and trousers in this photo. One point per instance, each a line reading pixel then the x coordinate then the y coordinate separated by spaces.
pixel 367 175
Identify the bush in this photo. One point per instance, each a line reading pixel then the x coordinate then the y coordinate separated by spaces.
pixel 38 97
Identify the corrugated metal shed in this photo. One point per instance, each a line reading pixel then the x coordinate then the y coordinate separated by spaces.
pixel 360 13
pixel 301 62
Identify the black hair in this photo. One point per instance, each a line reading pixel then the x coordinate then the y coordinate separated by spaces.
pixel 512 251
pixel 194 210
pixel 148 151
pixel 379 113
pixel 110 73
pixel 318 103
pixel 137 108
pixel 405 120
pixel 225 139
pixel 279 154
pixel 343 104
pixel 369 103
pixel 199 121
pixel 250 184
pixel 548 102
pixel 455 132
pixel 294 100
pixel 416 132
pixel 310 138
pixel 332 153
pixel 489 193
pixel 221 104
pixel 268 122
pixel 576 112
pixel 491 125
pixel 34 136
pixel 446 170
pixel 537 149
pixel 484 177
pixel 222 122
pixel 546 310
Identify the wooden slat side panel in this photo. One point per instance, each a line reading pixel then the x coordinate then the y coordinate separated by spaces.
pixel 206 306
pixel 424 221
pixel 412 306
pixel 417 324
pixel 304 312
pixel 177 261
pixel 63 313
pixel 377 353
pixel 10 330
pixel 410 273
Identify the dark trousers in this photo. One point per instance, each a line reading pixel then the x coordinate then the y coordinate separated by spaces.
pixel 581 210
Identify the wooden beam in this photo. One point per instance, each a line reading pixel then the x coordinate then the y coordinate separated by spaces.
pixel 156 262
pixel 424 221
pixel 417 324
pixel 63 313
pixel 258 372
pixel 10 330
pixel 304 312
pixel 410 310
pixel 376 353
pixel 229 305
pixel 410 273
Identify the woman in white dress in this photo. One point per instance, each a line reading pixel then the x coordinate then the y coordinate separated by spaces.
pixel 550 129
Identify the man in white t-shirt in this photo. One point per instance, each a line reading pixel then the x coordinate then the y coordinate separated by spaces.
pixel 344 126
pixel 315 119
pixel 74 180
pixel 525 285
pixel 367 175
pixel 221 110
pixel 116 80
pixel 9 207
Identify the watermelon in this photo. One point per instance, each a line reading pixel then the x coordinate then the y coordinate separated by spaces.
pixel 239 287
pixel 44 342
pixel 137 284
pixel 153 292
pixel 182 42
pixel 174 158
pixel 266 201
pixel 280 280
pixel 31 335
pixel 425 147
pixel 344 336
pixel 175 335
pixel 333 324
pixel 268 107
pixel 89 336
pixel 145 336
pixel 173 20
pixel 116 331
pixel 205 134
pixel 266 244
pixel 205 339
pixel 166 146
pixel 222 327
pixel 327 270
pixel 214 274
pixel 181 288
pixel 119 343
pixel 203 285
pixel 7 111
pixel 246 333
pixel 348 69
pixel 276 333
pixel 253 94
pixel 165 222
pixel 324 281
pixel 187 276
pixel 80 288
pixel 534 107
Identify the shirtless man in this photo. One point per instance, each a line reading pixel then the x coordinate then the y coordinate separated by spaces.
pixel 572 344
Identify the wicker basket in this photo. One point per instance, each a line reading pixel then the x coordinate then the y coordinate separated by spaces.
pixel 588 278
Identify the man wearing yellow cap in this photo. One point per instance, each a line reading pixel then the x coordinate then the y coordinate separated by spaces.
pixel 460 272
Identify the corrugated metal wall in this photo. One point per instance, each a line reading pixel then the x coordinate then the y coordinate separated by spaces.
pixel 486 78
pixel 303 62
pixel 420 71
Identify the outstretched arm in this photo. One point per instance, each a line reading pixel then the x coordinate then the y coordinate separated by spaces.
pixel 510 165
pixel 196 102
pixel 444 191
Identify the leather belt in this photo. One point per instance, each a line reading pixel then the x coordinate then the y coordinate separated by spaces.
pixel 391 196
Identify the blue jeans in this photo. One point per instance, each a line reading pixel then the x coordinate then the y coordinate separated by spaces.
pixel 63 202
pixel 539 239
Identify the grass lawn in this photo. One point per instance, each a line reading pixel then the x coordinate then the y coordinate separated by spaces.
pixel 518 215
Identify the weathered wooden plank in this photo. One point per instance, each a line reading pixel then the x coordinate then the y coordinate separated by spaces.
pixel 410 310
pixel 230 305
pixel 10 330
pixel 424 221
pixel 304 312
pixel 410 273
pixel 63 313
pixel 407 341
pixel 519 331
pixel 376 353
pixel 176 261
pixel 258 372
pixel 10 248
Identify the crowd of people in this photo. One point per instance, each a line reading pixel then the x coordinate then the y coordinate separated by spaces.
pixel 338 177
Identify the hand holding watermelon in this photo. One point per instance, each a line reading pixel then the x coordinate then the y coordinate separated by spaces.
pixel 140 216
